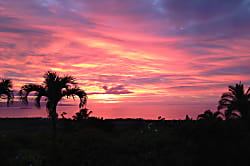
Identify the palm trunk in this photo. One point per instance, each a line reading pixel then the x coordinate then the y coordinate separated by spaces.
pixel 54 118
pixel 54 125
pixel 51 106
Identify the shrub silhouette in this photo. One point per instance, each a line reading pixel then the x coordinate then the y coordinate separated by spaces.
pixel 209 115
pixel 82 114
pixel 62 115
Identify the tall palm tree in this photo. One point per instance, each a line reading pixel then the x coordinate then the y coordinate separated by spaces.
pixel 54 88
pixel 5 90
pixel 236 102
pixel 209 115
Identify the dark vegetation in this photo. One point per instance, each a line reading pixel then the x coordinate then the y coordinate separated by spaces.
pixel 124 142
pixel 215 138
pixel 82 114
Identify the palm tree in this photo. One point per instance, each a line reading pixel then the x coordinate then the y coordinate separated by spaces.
pixel 236 103
pixel 82 114
pixel 5 89
pixel 54 88
pixel 209 115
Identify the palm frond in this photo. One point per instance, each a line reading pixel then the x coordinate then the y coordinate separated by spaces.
pixel 224 103
pixel 222 106
pixel 201 116
pixel 248 91
pixel 67 80
pixel 209 115
pixel 206 115
pixel 231 114
pixel 39 95
pixel 217 114
pixel 77 92
pixel 228 95
pixel 26 89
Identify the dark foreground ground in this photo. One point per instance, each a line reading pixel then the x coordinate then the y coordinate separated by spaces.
pixel 123 142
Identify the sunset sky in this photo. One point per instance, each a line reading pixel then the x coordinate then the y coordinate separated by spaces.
pixel 130 54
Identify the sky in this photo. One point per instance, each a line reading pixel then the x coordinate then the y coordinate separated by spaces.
pixel 134 55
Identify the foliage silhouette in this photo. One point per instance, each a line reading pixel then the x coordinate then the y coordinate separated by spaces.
pixel 161 118
pixel 187 118
pixel 54 89
pixel 62 115
pixel 236 103
pixel 5 89
pixel 209 115
pixel 82 114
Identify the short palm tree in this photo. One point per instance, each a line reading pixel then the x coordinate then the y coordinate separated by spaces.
pixel 5 90
pixel 209 115
pixel 54 88
pixel 82 114
pixel 236 102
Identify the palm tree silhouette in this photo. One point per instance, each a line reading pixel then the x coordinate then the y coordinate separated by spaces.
pixel 82 114
pixel 209 115
pixel 5 89
pixel 236 102
pixel 54 88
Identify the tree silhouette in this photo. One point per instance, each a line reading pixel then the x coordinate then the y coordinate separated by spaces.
pixel 5 90
pixel 209 115
pixel 236 103
pixel 54 88
pixel 82 114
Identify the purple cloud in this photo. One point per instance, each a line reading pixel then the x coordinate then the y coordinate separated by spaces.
pixel 117 90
